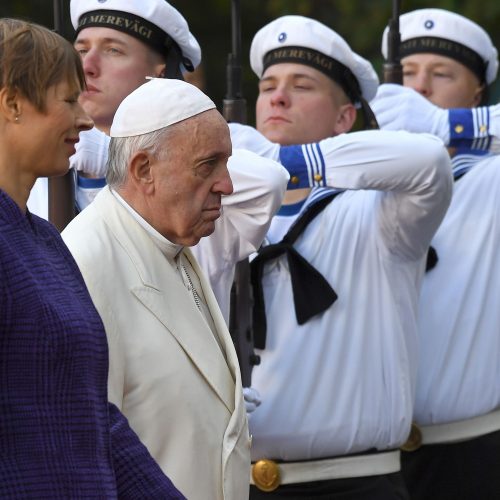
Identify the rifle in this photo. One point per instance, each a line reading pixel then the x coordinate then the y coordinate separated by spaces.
pixel 393 71
pixel 61 189
pixel 234 105
pixel 240 319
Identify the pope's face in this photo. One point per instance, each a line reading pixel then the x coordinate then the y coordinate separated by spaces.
pixel 115 64
pixel 297 104
pixel 442 80
pixel 190 179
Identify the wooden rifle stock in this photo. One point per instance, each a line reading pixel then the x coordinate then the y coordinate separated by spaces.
pixel 240 319
pixel 393 71
pixel 61 189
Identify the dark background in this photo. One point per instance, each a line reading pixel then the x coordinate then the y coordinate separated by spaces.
pixel 360 22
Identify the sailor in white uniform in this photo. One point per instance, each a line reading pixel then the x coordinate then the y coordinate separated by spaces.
pixel 457 408
pixel 338 362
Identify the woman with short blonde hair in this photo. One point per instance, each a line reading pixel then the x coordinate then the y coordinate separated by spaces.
pixel 59 436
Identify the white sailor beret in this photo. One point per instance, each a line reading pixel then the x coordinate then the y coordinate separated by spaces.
pixel 307 41
pixel 157 104
pixel 448 34
pixel 155 22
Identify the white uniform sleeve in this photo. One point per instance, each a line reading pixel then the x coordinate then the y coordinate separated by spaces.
pixel 258 188
pixel 402 108
pixel 246 137
pixel 87 188
pixel 412 170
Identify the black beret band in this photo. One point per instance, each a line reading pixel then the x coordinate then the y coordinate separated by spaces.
pixel 447 48
pixel 332 68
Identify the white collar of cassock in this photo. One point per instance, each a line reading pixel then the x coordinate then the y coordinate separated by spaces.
pixel 169 249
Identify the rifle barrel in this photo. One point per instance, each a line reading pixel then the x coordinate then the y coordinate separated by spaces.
pixel 234 110
pixel 234 105
pixel 58 16
pixel 236 31
pixel 393 71
pixel 61 189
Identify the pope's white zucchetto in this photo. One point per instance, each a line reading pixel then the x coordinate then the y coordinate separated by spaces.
pixel 448 34
pixel 306 41
pixel 154 22
pixel 157 104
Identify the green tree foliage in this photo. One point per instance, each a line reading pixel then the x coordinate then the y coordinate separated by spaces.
pixel 360 22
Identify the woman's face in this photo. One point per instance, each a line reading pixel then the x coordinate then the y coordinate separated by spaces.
pixel 47 139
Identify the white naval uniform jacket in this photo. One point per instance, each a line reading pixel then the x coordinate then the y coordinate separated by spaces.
pixel 459 320
pixel 344 382
pixel 167 374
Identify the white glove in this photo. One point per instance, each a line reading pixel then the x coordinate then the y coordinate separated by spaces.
pixel 246 137
pixel 402 108
pixel 252 399
pixel 91 153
